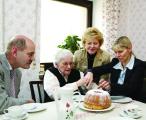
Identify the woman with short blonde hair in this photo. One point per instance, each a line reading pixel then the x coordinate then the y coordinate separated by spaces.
pixel 91 55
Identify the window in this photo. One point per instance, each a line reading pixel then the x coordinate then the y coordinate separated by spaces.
pixel 60 19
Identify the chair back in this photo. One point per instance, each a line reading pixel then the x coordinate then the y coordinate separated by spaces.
pixel 37 90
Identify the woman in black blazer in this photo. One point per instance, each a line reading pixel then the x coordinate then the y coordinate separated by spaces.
pixel 126 71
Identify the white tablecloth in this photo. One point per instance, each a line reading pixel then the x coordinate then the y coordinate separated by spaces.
pixel 51 114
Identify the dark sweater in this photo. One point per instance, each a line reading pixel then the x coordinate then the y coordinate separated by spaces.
pixel 73 77
pixel 133 81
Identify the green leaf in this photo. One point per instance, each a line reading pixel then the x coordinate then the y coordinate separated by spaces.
pixel 71 43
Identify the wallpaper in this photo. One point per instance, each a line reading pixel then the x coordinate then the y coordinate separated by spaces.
pixel 137 27
pixel 111 16
pixel 21 17
pixel 125 17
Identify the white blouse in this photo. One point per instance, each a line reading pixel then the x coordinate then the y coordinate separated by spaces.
pixel 51 83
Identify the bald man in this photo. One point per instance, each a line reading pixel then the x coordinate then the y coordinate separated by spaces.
pixel 19 54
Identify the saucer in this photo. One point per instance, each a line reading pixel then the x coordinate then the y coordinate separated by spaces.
pixel 7 117
pixel 34 107
pixel 131 111
pixel 132 115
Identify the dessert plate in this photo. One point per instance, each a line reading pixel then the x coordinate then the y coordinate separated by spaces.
pixel 121 99
pixel 34 107
pixel 107 109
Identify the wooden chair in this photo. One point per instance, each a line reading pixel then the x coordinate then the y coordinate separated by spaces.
pixel 39 89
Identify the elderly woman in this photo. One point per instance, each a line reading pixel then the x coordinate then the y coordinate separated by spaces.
pixel 62 74
pixel 127 72
pixel 92 55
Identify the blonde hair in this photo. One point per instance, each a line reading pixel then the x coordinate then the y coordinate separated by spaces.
pixel 92 32
pixel 122 43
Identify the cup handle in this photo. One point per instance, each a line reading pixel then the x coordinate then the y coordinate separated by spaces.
pixel 5 111
pixel 79 101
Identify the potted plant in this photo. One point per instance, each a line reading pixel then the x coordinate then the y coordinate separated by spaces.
pixel 71 43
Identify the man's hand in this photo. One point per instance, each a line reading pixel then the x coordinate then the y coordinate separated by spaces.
pixel 30 101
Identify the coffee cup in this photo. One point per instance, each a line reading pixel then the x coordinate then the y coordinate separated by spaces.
pixel 15 112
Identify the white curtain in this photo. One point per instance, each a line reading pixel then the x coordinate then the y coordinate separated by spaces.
pixel 1 27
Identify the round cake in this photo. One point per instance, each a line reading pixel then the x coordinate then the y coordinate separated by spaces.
pixel 97 99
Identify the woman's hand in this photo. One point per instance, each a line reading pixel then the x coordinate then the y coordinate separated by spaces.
pixel 104 84
pixel 81 82
pixel 88 78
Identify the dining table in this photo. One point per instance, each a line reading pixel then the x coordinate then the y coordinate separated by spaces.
pixel 50 113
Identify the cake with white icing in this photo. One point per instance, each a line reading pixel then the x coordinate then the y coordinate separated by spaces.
pixel 97 99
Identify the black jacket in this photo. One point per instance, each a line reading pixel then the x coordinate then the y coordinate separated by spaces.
pixel 133 81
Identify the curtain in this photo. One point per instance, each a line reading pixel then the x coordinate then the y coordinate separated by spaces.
pixel 111 14
pixel 1 27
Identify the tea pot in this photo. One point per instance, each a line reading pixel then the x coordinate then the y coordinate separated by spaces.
pixel 66 106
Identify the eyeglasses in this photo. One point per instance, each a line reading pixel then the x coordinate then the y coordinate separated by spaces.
pixel 66 64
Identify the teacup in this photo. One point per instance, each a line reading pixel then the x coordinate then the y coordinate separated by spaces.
pixel 15 112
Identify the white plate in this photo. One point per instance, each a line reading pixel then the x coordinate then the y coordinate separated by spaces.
pixel 33 107
pixel 107 109
pixel 121 99
pixel 6 117
pixel 117 97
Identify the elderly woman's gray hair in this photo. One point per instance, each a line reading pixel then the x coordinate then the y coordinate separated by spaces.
pixel 62 54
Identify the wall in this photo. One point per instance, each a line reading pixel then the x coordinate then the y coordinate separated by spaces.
pixel 1 25
pixel 137 26
pixel 132 23
pixel 21 17
pixel 97 14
